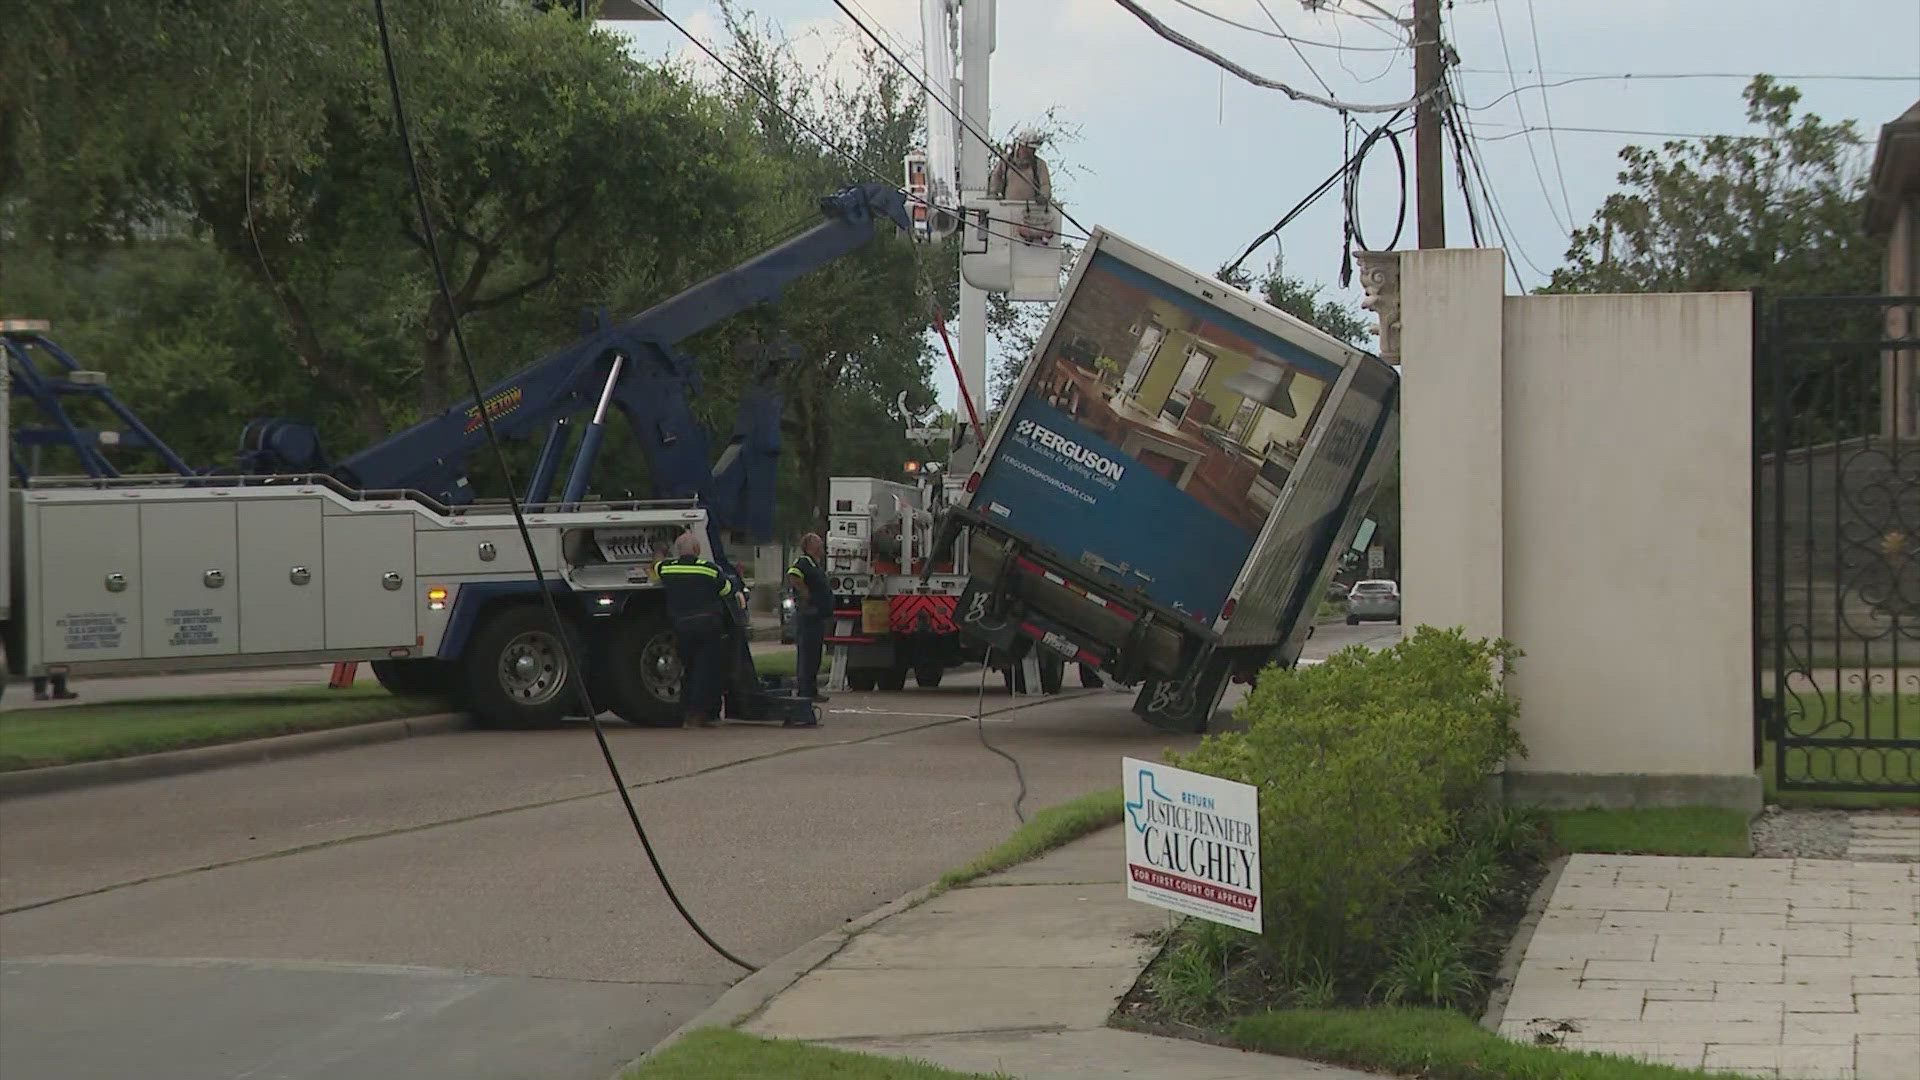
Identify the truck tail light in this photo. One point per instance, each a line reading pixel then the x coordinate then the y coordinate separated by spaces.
pixel 436 599
pixel 973 482
pixel 1227 612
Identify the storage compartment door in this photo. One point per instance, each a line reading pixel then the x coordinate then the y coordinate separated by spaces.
pixel 369 581
pixel 89 583
pixel 190 600
pixel 282 605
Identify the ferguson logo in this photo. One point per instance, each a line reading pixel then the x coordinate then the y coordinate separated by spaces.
pixel 1067 448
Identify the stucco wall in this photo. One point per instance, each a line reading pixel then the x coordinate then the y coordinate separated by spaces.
pixel 1629 531
pixel 1576 477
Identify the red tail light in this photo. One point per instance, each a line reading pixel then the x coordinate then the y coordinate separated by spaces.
pixel 973 482
pixel 1227 612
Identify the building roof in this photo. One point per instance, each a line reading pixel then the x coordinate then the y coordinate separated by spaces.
pixel 1896 171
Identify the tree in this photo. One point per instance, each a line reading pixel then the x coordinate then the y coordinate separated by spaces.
pixel 860 323
pixel 1780 210
pixel 1302 301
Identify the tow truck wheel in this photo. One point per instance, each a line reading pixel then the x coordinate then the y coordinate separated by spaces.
pixel 892 680
pixel 415 678
pixel 861 681
pixel 515 674
pixel 637 673
pixel 928 675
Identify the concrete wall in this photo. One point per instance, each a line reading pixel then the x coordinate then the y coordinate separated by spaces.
pixel 1577 479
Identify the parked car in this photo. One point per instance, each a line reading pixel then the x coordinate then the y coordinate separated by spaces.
pixel 1373 601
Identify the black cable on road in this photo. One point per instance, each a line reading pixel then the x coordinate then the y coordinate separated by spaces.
pixel 513 501
pixel 980 728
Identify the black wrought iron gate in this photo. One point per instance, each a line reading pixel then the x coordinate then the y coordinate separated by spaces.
pixel 1837 542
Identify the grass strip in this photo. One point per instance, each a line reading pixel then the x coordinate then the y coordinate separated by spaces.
pixel 785 662
pixel 1045 830
pixel 722 1054
pixel 1676 831
pixel 69 734
pixel 1432 1044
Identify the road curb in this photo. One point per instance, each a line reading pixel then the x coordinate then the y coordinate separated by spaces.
pixel 197 759
pixel 1516 951
pixel 744 999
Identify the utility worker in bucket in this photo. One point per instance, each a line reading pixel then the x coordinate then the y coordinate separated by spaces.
pixel 813 610
pixel 698 595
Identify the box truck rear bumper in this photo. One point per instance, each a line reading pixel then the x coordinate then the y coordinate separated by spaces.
pixel 1018 591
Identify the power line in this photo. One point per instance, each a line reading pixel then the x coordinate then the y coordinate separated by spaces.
pixel 1502 227
pixel 1333 180
pixel 1513 80
pixel 985 140
pixel 1262 81
pixel 1546 105
pixel 1297 51
pixel 828 142
pixel 1591 76
pixel 1217 17
pixel 1653 77
pixel 1622 131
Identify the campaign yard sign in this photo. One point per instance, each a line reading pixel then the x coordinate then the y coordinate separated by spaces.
pixel 1193 843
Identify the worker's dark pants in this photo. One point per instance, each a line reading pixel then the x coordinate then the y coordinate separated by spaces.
pixel 703 644
pixel 809 638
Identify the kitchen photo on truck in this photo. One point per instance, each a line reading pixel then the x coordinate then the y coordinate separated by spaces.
pixel 1151 406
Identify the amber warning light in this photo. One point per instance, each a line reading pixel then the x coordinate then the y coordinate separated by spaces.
pixel 436 599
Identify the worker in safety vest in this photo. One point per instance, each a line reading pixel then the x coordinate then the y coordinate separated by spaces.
pixel 812 612
pixel 697 597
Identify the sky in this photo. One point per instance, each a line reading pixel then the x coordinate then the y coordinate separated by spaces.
pixel 1188 161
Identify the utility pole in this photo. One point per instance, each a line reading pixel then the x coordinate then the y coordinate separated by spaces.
pixel 1428 177
pixel 976 52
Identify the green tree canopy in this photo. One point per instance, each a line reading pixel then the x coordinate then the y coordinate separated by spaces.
pixel 1779 209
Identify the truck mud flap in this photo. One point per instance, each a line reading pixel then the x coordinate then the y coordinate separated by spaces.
pixel 1185 706
pixel 981 617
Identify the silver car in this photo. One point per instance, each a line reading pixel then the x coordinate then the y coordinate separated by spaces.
pixel 1373 601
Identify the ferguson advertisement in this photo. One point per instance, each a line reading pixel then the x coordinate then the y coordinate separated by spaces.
pixel 1152 408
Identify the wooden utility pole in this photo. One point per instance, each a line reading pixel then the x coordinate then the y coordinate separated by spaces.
pixel 1430 199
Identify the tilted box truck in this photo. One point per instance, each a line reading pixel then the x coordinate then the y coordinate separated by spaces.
pixel 1170 484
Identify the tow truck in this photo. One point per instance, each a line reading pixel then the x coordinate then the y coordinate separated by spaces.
pixel 389 555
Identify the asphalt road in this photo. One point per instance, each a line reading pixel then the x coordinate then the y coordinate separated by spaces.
pixel 475 905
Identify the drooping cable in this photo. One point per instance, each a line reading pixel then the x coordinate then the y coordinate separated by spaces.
pixel 513 501
pixel 1333 180
pixel 794 118
pixel 980 729
pixel 1262 81
pixel 965 124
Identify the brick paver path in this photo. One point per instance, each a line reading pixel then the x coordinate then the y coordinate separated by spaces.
pixel 1789 968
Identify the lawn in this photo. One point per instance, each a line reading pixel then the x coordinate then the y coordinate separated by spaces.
pixel 720 1054
pixel 1045 830
pixel 33 738
pixel 785 662
pixel 1431 1043
pixel 1853 715
pixel 1683 831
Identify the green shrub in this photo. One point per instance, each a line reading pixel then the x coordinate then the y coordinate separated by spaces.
pixel 1366 765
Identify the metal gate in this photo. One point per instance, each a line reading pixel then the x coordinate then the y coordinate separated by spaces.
pixel 1837 542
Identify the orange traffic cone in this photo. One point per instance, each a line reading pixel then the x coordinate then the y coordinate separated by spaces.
pixel 343 675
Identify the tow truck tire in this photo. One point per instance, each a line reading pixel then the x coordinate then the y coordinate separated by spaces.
pixel 862 680
pixel 424 677
pixel 892 680
pixel 927 676
pixel 637 670
pixel 514 674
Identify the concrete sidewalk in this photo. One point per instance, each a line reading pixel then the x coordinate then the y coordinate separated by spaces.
pixel 1788 968
pixel 1015 974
